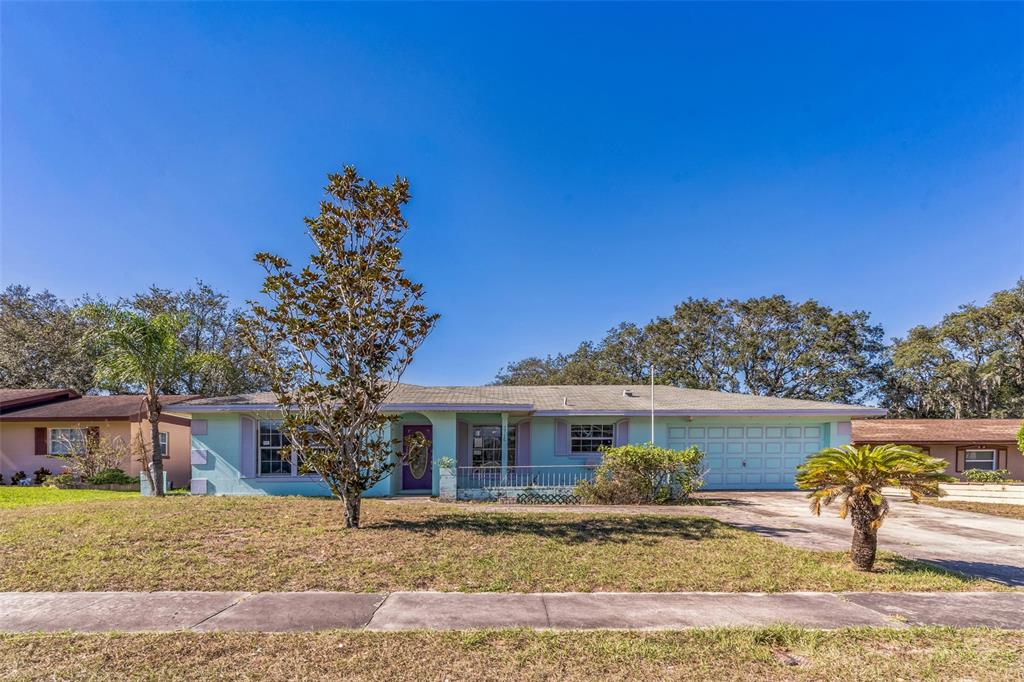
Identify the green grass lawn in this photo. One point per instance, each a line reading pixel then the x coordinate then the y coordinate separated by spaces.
pixel 295 543
pixel 743 655
pixel 12 496
pixel 1010 511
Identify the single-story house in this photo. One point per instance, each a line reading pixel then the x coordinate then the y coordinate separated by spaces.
pixel 965 443
pixel 37 424
pixel 540 433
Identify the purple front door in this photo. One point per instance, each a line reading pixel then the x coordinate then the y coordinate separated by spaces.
pixel 418 469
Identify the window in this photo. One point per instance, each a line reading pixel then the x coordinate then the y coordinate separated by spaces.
pixel 164 440
pixel 487 446
pixel 588 438
pixel 269 445
pixel 980 459
pixel 66 441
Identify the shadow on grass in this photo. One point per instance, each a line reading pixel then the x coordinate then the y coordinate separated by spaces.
pixel 577 530
pixel 1011 576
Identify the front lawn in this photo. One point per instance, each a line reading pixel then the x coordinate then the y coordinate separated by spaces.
pixel 12 496
pixel 734 654
pixel 1010 511
pixel 295 543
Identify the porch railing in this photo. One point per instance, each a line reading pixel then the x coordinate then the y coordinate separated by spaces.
pixel 498 478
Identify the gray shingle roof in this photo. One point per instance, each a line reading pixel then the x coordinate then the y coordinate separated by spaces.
pixel 618 399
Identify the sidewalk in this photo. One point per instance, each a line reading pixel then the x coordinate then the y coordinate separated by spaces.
pixel 300 611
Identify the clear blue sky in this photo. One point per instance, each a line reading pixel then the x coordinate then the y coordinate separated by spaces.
pixel 573 166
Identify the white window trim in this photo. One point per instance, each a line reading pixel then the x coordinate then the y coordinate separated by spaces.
pixel 165 444
pixel 995 458
pixel 259 453
pixel 573 439
pixel 49 439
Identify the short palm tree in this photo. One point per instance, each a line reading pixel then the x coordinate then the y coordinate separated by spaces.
pixel 144 352
pixel 856 475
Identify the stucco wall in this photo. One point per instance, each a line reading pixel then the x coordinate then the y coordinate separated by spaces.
pixel 217 464
pixel 17 447
pixel 947 451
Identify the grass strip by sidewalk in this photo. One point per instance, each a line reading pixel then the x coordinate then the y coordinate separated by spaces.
pixel 734 653
pixel 297 543
pixel 1010 511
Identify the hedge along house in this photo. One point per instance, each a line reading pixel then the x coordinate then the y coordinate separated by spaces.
pixel 542 435
pixel 35 425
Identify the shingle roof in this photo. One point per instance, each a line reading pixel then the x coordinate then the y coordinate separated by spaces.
pixel 613 399
pixel 936 431
pixel 15 398
pixel 90 407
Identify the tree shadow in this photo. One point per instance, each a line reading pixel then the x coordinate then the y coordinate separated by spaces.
pixel 1009 575
pixel 645 530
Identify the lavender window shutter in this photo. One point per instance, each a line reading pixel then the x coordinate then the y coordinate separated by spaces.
pixel 561 437
pixel 462 445
pixel 248 447
pixel 523 444
pixel 622 432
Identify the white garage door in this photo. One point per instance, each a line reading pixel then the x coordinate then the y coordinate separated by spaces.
pixel 747 456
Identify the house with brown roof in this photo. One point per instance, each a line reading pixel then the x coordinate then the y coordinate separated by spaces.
pixel 965 443
pixel 36 424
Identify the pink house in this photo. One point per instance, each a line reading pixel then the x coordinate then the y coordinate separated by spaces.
pixel 35 423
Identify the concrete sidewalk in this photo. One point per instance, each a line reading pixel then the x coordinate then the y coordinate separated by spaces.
pixel 304 611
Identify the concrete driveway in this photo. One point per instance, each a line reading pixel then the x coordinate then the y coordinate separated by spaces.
pixel 977 544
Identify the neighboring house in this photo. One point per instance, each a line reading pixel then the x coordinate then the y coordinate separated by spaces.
pixel 535 432
pixel 34 425
pixel 964 443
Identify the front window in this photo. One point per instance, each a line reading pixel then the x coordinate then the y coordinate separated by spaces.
pixel 67 441
pixel 271 441
pixel 164 440
pixel 980 459
pixel 487 446
pixel 589 438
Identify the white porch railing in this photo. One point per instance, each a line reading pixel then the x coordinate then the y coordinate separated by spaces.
pixel 502 481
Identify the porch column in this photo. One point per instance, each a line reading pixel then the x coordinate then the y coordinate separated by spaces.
pixel 504 444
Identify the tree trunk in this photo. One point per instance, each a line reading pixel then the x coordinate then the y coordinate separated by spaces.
pixel 865 541
pixel 352 500
pixel 156 460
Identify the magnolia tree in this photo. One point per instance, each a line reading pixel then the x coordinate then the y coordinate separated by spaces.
pixel 349 323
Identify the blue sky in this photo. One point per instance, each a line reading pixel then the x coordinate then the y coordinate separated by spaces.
pixel 572 165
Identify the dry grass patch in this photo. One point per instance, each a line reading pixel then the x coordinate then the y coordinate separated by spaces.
pixel 736 654
pixel 1010 511
pixel 294 543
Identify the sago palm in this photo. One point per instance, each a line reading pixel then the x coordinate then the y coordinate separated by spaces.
pixel 856 475
pixel 143 352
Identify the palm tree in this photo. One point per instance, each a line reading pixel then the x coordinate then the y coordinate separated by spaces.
pixel 856 476
pixel 137 351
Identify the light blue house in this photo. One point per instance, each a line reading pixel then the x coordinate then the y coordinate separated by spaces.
pixel 531 434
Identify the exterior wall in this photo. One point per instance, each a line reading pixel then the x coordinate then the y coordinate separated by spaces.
pixel 17 447
pixel 947 451
pixel 217 462
pixel 217 470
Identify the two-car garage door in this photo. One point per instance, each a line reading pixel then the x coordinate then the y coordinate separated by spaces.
pixel 753 457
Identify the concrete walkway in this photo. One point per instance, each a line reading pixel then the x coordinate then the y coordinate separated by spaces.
pixel 304 611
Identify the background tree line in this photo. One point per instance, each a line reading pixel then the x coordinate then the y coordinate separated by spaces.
pixel 47 342
pixel 970 364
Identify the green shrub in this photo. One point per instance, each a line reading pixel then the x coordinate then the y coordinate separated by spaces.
pixel 40 474
pixel 18 477
pixel 986 476
pixel 110 476
pixel 643 474
pixel 62 480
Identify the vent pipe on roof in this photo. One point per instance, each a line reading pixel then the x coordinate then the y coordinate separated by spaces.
pixel 565 401
pixel 628 393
